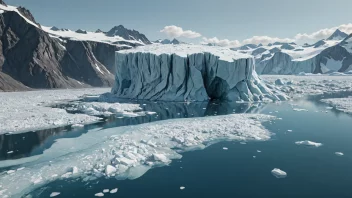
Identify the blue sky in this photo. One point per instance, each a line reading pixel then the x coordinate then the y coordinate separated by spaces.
pixel 224 19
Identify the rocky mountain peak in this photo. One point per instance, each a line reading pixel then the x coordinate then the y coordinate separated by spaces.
pixel 80 31
pixel 338 35
pixel 2 3
pixel 127 34
pixel 26 13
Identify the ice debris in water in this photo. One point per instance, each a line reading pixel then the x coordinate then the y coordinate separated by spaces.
pixel 54 194
pixel 182 188
pixel 225 148
pixel 259 151
pixel 296 109
pixel 339 154
pixel 9 152
pixel 106 190
pixel 309 143
pixel 132 150
pixel 77 126
pixel 99 194
pixel 289 130
pixel 279 173
pixel 113 191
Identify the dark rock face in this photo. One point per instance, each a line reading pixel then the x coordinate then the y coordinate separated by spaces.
pixel 54 28
pixel 29 57
pixel 99 31
pixel 337 34
pixel 81 31
pixel 26 13
pixel 127 34
pixel 2 3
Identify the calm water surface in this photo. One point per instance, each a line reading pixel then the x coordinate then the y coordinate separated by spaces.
pixel 214 172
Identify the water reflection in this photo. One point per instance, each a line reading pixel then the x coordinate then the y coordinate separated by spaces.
pixel 16 146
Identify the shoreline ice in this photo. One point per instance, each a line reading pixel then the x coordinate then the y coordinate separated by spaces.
pixel 132 150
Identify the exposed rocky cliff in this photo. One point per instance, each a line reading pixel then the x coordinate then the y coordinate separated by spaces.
pixel 188 73
pixel 32 57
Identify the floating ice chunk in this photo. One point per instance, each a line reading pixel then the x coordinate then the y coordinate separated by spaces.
pixel 106 190
pixel 225 148
pixel 109 170
pixel 279 173
pixel 339 154
pixel 150 112
pixel 161 157
pixel 99 194
pixel 259 151
pixel 309 143
pixel 54 194
pixel 254 156
pixel 10 171
pixel 9 152
pixel 329 108
pixel 296 109
pixel 77 126
pixel 20 168
pixel 289 130
pixel 243 142
pixel 113 190
pixel 182 188
pixel 74 170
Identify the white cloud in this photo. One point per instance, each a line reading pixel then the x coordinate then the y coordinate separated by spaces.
pixel 175 32
pixel 323 33
pixel 265 40
pixel 223 42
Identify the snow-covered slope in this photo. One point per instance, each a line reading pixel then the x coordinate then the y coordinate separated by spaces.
pixel 188 73
pixel 324 56
pixel 83 35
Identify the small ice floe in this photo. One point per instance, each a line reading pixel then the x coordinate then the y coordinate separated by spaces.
pixel 296 109
pixel 9 152
pixel 329 108
pixel 20 168
pixel 258 151
pixel 106 190
pixel 54 194
pixel 243 142
pixel 109 170
pixel 182 188
pixel 309 143
pixel 289 130
pixel 150 112
pixel 144 104
pixel 113 191
pixel 279 173
pixel 77 126
pixel 99 194
pixel 254 156
pixel 225 148
pixel 339 154
pixel 10 171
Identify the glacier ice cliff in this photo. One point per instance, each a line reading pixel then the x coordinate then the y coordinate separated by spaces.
pixel 188 73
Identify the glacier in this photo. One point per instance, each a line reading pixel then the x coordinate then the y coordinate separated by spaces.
pixel 188 73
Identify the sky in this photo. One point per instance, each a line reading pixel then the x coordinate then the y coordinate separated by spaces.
pixel 225 22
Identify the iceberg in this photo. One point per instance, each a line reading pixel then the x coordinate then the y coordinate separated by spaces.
pixel 279 173
pixel 188 73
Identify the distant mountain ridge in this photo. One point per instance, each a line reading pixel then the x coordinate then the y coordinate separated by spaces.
pixel 333 54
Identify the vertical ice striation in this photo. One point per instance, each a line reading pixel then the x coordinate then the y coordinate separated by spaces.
pixel 188 73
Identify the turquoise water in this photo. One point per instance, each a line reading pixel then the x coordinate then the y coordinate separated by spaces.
pixel 214 172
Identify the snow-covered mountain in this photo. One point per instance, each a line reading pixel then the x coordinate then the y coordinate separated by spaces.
pixel 324 56
pixel 188 73
pixel 35 56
